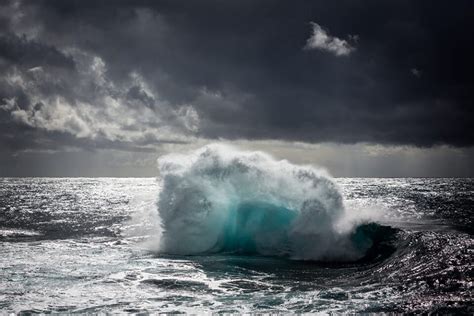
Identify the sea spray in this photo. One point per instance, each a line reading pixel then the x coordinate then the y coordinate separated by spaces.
pixel 221 199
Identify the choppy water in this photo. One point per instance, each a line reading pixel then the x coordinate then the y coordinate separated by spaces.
pixel 80 245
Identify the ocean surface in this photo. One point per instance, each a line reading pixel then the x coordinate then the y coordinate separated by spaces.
pixel 93 245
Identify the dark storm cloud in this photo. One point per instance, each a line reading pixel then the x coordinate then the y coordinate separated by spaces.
pixel 55 95
pixel 22 52
pixel 241 70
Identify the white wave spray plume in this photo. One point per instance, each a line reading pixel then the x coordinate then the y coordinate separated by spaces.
pixel 221 199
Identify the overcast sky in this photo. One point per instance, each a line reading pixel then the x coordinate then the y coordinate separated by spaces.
pixel 362 88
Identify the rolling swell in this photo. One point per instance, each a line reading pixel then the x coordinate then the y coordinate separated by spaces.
pixel 220 199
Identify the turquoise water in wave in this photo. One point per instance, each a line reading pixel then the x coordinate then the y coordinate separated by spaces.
pixel 251 219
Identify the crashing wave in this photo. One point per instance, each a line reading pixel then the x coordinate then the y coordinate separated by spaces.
pixel 221 199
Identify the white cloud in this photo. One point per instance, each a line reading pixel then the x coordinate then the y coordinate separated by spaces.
pixel 109 111
pixel 189 117
pixel 8 104
pixel 322 40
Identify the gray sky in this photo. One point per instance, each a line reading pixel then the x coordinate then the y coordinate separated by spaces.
pixel 102 88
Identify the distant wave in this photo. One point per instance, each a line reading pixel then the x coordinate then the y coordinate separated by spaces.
pixel 221 199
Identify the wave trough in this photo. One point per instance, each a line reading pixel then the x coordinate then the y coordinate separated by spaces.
pixel 221 199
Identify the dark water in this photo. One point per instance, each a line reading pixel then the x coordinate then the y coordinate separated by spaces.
pixel 81 245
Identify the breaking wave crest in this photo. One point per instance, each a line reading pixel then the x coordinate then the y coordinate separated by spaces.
pixel 221 199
